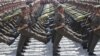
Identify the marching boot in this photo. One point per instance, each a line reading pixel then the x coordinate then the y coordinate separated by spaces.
pixel 91 54
pixel 7 40
pixel 16 35
pixel 56 53
pixel 47 40
pixel 10 41
pixel 58 47
pixel 84 45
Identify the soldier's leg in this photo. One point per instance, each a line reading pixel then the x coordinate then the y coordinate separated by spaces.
pixel 9 39
pixel 90 38
pixel 40 27
pixel 41 33
pixel 37 36
pixel 6 39
pixel 57 39
pixel 71 36
pixel 6 33
pixel 53 37
pixel 4 28
pixel 21 44
pixel 93 43
pixel 2 40
pixel 40 38
pixel 73 32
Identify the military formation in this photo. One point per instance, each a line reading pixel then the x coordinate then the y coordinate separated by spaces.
pixel 50 22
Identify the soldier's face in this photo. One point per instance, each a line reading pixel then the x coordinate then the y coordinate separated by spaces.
pixel 62 10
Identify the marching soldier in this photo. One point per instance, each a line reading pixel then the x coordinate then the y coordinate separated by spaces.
pixel 61 30
pixel 95 25
pixel 24 29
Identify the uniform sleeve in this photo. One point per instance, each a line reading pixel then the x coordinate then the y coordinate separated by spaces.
pixel 20 21
pixel 96 21
pixel 61 19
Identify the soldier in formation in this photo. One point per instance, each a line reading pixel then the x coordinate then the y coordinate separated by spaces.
pixel 25 31
pixel 94 21
pixel 61 30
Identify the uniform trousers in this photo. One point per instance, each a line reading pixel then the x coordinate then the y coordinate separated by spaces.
pixel 25 35
pixel 64 32
pixel 92 41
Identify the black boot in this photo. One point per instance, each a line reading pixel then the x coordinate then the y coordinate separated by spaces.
pixel 16 35
pixel 58 47
pixel 84 45
pixel 46 40
pixel 10 41
pixel 92 54
pixel 56 54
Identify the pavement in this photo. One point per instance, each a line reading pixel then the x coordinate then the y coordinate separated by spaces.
pixel 36 48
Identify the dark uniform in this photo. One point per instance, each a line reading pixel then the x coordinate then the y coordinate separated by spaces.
pixel 5 39
pixel 8 38
pixel 95 22
pixel 26 33
pixel 59 19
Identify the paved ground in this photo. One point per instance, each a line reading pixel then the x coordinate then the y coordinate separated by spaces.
pixel 36 48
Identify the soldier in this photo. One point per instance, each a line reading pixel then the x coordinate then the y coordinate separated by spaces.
pixel 95 25
pixel 23 28
pixel 61 30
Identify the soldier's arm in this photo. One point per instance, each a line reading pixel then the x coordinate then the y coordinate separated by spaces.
pixel 23 27
pixel 59 27
pixel 98 28
pixel 61 21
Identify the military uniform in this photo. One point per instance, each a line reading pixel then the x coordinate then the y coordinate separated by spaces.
pixel 4 39
pixel 95 22
pixel 26 34
pixel 59 33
